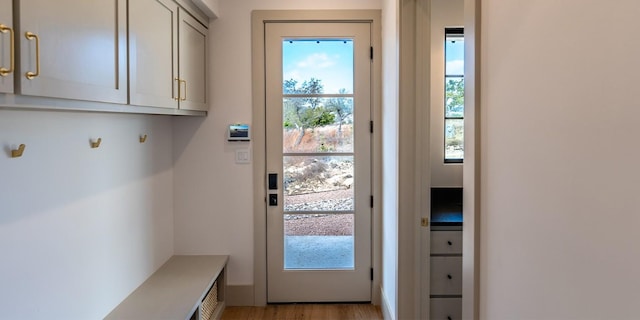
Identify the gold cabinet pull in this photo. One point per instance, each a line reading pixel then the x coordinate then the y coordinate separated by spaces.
pixel 4 71
pixel 185 90
pixel 177 98
pixel 31 36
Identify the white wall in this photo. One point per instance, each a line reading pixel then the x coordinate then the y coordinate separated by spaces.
pixel 560 213
pixel 80 228
pixel 444 14
pixel 213 195
pixel 390 36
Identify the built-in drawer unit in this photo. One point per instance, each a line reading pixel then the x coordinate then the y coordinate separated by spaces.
pixel 446 254
pixel 446 309
pixel 446 242
pixel 446 276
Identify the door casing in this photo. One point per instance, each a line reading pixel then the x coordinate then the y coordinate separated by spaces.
pixel 259 152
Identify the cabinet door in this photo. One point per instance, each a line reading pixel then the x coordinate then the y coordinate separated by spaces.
pixel 193 63
pixel 153 51
pixel 6 50
pixel 82 49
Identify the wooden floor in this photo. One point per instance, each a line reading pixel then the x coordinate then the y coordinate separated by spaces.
pixel 305 311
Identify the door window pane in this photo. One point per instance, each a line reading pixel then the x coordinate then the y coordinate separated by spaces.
pixel 313 124
pixel 318 241
pixel 327 61
pixel 318 183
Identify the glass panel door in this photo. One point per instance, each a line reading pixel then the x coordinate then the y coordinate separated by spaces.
pixel 318 143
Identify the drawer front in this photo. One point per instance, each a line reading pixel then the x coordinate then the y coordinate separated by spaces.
pixel 445 309
pixel 446 242
pixel 446 275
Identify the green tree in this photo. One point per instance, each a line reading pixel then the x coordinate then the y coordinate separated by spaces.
pixel 342 107
pixel 454 97
pixel 307 111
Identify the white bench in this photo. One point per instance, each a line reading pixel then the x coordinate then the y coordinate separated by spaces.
pixel 185 287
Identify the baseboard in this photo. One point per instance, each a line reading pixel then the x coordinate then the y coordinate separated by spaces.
pixel 386 309
pixel 239 296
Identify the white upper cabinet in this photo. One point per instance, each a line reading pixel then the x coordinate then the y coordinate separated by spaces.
pixel 168 52
pixel 153 44
pixel 193 63
pixel 7 50
pixel 72 49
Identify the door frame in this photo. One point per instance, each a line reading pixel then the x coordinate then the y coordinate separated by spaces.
pixel 258 20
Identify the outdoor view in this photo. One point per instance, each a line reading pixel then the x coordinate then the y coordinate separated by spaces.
pixel 318 158
pixel 454 97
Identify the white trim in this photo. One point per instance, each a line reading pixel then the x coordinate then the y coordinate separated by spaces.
pixel 423 149
pixel 384 306
pixel 471 176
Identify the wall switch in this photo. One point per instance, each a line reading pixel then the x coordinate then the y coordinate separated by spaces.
pixel 243 156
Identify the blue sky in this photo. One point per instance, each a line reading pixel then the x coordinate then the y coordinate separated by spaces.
pixel 330 60
pixel 454 57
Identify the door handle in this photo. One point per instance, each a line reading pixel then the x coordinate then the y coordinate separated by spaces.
pixel 273 200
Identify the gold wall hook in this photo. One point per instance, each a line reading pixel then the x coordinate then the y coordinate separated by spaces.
pixel 143 139
pixel 96 144
pixel 18 152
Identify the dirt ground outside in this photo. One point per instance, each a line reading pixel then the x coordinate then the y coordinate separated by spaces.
pixel 320 224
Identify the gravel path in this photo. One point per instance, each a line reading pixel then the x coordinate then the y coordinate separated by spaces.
pixel 319 224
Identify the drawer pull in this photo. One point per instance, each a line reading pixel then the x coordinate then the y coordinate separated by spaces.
pixel 449 318
pixel 449 276
pixel 4 71
pixel 449 243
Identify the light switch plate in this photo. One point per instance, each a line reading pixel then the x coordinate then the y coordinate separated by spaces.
pixel 243 156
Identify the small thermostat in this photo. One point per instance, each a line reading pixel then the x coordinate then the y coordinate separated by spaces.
pixel 238 132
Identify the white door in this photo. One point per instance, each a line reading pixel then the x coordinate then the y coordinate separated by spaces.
pixel 318 106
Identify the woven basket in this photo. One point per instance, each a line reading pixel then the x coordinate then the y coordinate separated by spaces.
pixel 209 303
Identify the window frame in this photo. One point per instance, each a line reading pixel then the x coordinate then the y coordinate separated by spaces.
pixel 448 33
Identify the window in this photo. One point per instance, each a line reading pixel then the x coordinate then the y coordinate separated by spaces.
pixel 454 95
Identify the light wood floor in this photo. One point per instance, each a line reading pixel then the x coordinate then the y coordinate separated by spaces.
pixel 305 312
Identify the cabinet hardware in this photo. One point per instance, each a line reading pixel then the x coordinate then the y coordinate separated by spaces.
pixel 449 277
pixel 177 98
pixel 185 89
pixel 143 139
pixel 4 71
pixel 96 144
pixel 18 152
pixel 449 243
pixel 32 36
